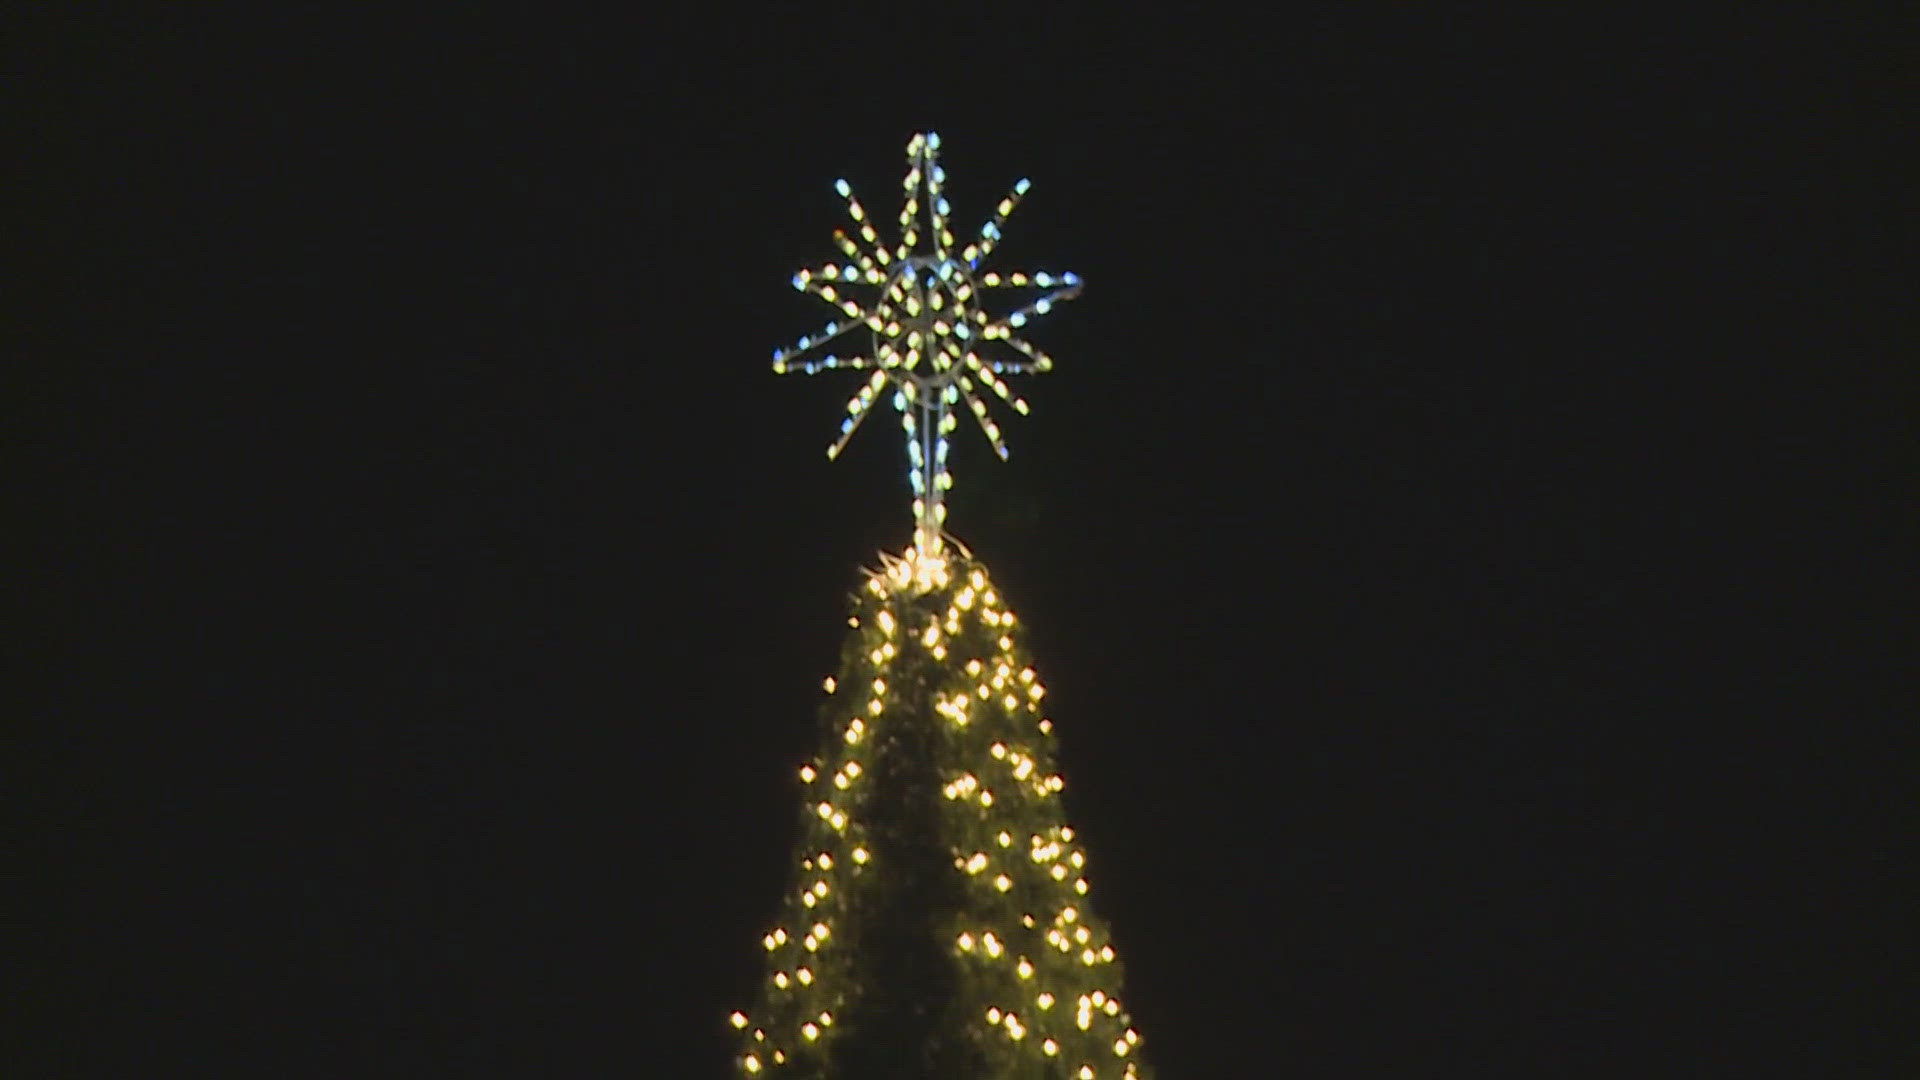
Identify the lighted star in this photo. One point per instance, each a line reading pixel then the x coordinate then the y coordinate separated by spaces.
pixel 931 338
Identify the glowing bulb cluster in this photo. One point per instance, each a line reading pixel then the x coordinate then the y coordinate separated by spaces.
pixel 1045 972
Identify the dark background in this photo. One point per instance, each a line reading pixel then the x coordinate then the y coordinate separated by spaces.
pixel 1454 534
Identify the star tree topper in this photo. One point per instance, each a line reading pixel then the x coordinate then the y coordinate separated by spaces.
pixel 933 341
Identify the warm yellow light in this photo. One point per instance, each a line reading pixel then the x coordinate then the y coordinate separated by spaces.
pixel 752 1063
pixel 965 942
pixel 1080 886
pixel 826 861
pixel 810 1030
pixel 780 935
pixel 820 931
pixel 739 1019
pixel 1120 1048
pixel 1086 1072
pixel 826 1019
pixel 780 979
pixel 1106 953
pixel 860 855
pixel 1050 1047
pixel 991 943
pixel 807 774
pixel 1025 968
pixel 805 976
pixel 828 685
pixel 1003 883
pixel 768 942
pixel 1045 1001
pixel 993 1015
pixel 986 798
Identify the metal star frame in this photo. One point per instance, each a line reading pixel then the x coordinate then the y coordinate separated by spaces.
pixel 931 338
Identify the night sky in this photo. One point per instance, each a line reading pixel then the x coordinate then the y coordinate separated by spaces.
pixel 1420 533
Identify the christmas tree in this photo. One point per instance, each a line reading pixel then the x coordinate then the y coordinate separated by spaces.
pixel 940 925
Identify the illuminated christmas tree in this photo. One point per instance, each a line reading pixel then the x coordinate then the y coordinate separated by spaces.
pixel 940 924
